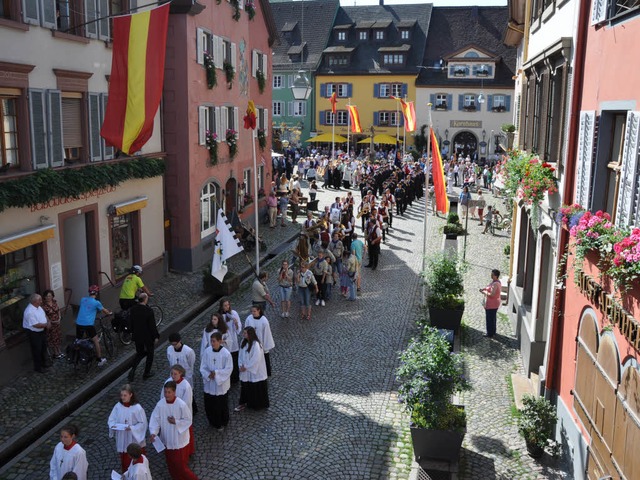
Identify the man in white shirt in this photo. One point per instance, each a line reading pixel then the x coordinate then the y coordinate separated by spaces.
pixel 216 367
pixel 34 321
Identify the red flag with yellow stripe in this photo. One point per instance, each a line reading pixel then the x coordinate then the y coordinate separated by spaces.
pixel 409 112
pixel 137 75
pixel 437 171
pixel 356 127
pixel 334 102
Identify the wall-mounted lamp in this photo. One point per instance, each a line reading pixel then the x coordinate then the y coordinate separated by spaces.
pixel 446 134
pixel 484 135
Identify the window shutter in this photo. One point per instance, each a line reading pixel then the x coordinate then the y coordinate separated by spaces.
pixel 218 54
pixel 304 108
pixel 290 83
pixel 71 122
pixel 507 103
pixel 290 109
pixel 460 102
pixel 322 117
pixel 432 99
pixel 489 102
pixel 449 101
pixel 38 128
pixel 625 210
pixel 490 70
pixel 233 56
pixel 236 124
pixel 56 149
pixel 31 12
pixel 400 119
pixel 323 90
pixel 91 27
pixel 218 130
pixel 103 15
pixel 202 125
pixel 108 149
pixel 452 71
pixel 200 44
pixel 265 112
pixel 94 127
pixel 265 65
pixel 599 13
pixel 48 13
pixel 254 63
pixel 349 90
pixel 376 117
pixel 376 90
pixel 405 89
pixel 585 157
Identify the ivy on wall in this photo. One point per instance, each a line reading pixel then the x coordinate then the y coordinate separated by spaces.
pixel 45 185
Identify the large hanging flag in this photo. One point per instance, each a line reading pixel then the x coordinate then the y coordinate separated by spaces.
pixel 409 112
pixel 354 118
pixel 250 117
pixel 137 75
pixel 437 171
pixel 226 246
pixel 334 102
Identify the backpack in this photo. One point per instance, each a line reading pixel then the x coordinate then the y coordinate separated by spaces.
pixel 121 321
pixel 81 351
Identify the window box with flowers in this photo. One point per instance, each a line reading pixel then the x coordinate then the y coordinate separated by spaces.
pixel 212 146
pixel 469 108
pixel 250 8
pixel 262 139
pixel 262 81
pixel 210 68
pixel 248 199
pixel 459 72
pixel 229 73
pixel 231 137
pixel 527 178
pixel 261 193
pixel 499 108
pixel 441 106
pixel 236 9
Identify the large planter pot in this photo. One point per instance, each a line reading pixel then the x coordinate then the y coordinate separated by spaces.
pixel 446 318
pixel 436 444
pixel 451 236
pixel 534 451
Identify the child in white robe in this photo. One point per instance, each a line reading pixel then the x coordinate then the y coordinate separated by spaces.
pixel 68 456
pixel 259 322
pixel 184 391
pixel 127 411
pixel 234 328
pixel 216 368
pixel 180 354
pixel 139 466
pixel 253 373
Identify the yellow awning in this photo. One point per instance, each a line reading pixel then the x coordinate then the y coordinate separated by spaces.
pixel 26 238
pixel 381 138
pixel 327 138
pixel 128 206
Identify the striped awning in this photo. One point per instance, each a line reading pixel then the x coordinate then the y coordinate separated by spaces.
pixel 26 238
pixel 129 206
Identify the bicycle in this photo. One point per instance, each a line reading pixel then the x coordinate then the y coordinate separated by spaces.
pixel 499 222
pixel 82 350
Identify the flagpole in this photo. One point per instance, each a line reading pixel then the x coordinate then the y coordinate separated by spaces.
pixel 255 193
pixel 333 136
pixel 348 127
pixel 426 204
pixel 397 125
pixel 404 133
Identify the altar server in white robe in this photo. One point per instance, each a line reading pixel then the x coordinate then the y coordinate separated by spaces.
pixel 234 326
pixel 253 373
pixel 139 466
pixel 170 421
pixel 180 354
pixel 184 391
pixel 127 412
pixel 259 322
pixel 68 456
pixel 216 368
pixel 216 324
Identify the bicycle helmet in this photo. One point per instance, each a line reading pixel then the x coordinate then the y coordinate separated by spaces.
pixel 94 289
pixel 136 269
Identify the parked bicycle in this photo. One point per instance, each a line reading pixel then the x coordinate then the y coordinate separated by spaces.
pixel 82 352
pixel 499 222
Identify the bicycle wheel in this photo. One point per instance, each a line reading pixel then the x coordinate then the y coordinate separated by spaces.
pixel 506 224
pixel 158 314
pixel 107 341
pixel 125 337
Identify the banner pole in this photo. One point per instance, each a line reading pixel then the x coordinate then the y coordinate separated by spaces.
pixel 255 202
pixel 426 204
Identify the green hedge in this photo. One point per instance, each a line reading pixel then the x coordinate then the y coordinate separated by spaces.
pixel 45 185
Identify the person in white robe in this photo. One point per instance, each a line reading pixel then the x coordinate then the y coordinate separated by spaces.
pixel 216 324
pixel 216 368
pixel 68 456
pixel 130 413
pixel 180 354
pixel 184 391
pixel 170 421
pixel 253 373
pixel 234 327
pixel 139 467
pixel 259 322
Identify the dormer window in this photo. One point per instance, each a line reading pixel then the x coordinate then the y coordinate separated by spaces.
pixel 460 71
pixel 404 34
pixel 363 35
pixel 342 36
pixel 379 34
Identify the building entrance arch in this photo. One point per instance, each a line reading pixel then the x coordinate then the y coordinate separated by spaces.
pixel 465 143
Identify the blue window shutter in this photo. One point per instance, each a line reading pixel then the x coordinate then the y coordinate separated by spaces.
pixel 322 121
pixel 449 102
pixel 376 91
pixel 489 102
pixel 432 99
pixel 323 90
pixel 405 89
pixel 56 148
pixel 507 102
pixel 375 118
pixel 401 119
pixel 349 90
pixel 452 71
pixel 39 137
pixel 460 102
pixel 490 70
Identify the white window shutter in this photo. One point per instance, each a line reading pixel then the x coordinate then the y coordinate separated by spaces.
pixel 107 149
pixel 290 109
pixel 31 12
pixel 103 25
pixel 48 13
pixel 585 157
pixel 289 81
pixel 202 125
pixel 236 124
pixel 304 109
pixel 91 26
pixel 200 43
pixel 224 122
pixel 95 147
pixel 254 63
pixel 233 56
pixel 599 12
pixel 265 65
pixel 265 112
pixel 219 131
pixel 628 182
pixel 55 144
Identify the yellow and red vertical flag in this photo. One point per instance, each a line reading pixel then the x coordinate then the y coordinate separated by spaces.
pixel 356 126
pixel 137 76
pixel 437 172
pixel 334 102
pixel 409 112
pixel 250 117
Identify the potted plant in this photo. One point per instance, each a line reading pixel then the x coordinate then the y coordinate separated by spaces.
pixel 444 280
pixel 236 9
pixel 250 8
pixel 262 81
pixel 441 106
pixel 537 424
pixel 231 138
pixel 262 139
pixel 460 72
pixel 210 68
pixel 453 228
pixel 229 73
pixel 429 375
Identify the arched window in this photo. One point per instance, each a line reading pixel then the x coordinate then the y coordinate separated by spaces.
pixel 208 209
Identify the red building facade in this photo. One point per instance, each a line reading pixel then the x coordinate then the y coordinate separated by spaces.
pixel 231 42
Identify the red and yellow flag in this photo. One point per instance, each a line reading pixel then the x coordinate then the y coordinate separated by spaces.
pixel 409 113
pixel 354 117
pixel 334 102
pixel 137 75
pixel 250 117
pixel 437 171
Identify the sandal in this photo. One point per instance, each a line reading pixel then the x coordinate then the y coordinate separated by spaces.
pixel 239 408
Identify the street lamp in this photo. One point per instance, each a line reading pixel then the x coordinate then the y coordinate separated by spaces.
pixel 301 87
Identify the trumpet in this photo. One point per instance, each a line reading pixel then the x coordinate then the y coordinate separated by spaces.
pixel 365 210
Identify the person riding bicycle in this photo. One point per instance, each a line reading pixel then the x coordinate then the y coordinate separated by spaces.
pixel 85 321
pixel 130 287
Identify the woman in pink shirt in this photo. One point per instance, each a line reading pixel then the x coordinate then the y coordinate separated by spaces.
pixel 492 301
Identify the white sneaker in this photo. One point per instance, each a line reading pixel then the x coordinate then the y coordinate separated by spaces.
pixel 323 304
pixel 286 314
pixel 283 314
pixel 102 362
pixel 317 302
